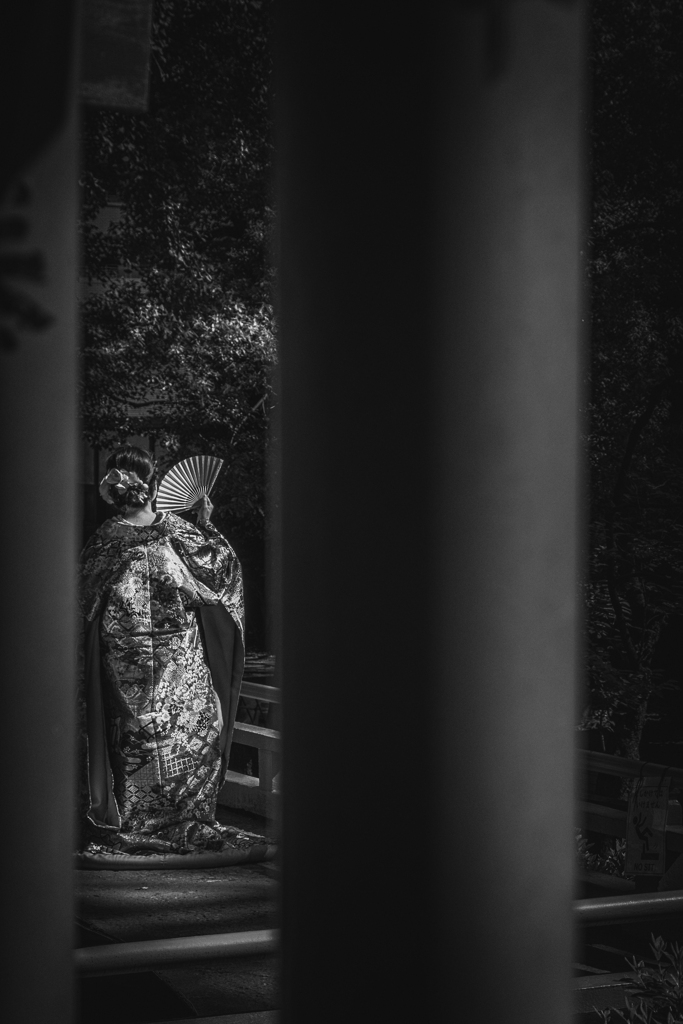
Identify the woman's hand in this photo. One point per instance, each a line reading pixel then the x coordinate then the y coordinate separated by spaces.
pixel 203 508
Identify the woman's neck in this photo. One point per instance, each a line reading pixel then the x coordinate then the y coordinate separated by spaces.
pixel 140 516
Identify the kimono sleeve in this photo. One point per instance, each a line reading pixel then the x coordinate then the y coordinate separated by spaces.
pixel 212 562
pixel 92 577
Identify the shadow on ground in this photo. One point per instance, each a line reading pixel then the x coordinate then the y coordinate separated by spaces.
pixel 124 906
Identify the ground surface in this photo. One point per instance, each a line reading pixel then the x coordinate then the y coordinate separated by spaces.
pixel 129 905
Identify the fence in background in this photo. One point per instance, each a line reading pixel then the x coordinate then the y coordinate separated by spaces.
pixel 256 793
pixel 597 816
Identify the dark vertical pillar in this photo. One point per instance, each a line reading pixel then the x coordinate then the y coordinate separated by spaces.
pixel 506 460
pixel 430 219
pixel 38 522
pixel 357 342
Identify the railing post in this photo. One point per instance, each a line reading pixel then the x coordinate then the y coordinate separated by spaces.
pixel 430 197
pixel 266 770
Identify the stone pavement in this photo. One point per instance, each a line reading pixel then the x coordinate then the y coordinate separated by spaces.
pixel 129 905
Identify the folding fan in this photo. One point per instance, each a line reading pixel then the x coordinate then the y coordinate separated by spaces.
pixel 187 482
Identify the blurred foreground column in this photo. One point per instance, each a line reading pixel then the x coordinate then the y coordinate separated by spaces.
pixel 430 301
pixel 38 334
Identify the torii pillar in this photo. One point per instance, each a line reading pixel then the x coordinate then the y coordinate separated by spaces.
pixel 431 214
pixel 38 514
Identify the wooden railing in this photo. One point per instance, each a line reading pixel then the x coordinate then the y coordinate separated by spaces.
pixel 609 764
pixel 260 794
pixel 611 821
pixel 246 792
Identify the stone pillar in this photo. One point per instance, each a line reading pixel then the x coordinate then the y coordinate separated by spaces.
pixel 38 515
pixel 430 197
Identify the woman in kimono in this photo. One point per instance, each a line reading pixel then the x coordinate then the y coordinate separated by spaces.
pixel 163 659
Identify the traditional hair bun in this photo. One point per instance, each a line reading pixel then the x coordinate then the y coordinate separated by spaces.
pixel 124 489
pixel 130 480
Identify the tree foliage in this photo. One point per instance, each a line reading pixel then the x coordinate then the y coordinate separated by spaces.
pixel 178 326
pixel 635 437
pixel 176 227
pixel 654 994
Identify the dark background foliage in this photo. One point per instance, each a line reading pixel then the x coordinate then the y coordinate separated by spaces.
pixel 179 329
pixel 176 226
pixel 635 419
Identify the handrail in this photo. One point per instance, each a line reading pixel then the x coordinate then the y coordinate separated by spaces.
pixel 243 790
pixel 155 954
pixel 152 954
pixel 260 691
pixel 621 908
pixel 257 736
pixel 609 764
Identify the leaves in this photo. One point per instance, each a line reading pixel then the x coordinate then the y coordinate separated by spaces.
pixel 176 228
pixel 656 995
pixel 635 409
pixel 610 859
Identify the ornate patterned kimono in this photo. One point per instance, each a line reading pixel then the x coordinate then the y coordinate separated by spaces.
pixel 164 654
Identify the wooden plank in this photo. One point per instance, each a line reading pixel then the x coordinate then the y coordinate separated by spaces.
pixel 601 991
pixel 257 736
pixel 248 781
pixel 155 954
pixel 266 770
pixel 609 764
pixel 604 980
pixel 610 821
pixel 260 691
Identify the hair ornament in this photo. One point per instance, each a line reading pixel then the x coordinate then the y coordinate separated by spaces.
pixel 122 487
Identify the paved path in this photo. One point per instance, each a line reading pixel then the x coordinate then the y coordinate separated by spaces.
pixel 130 905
